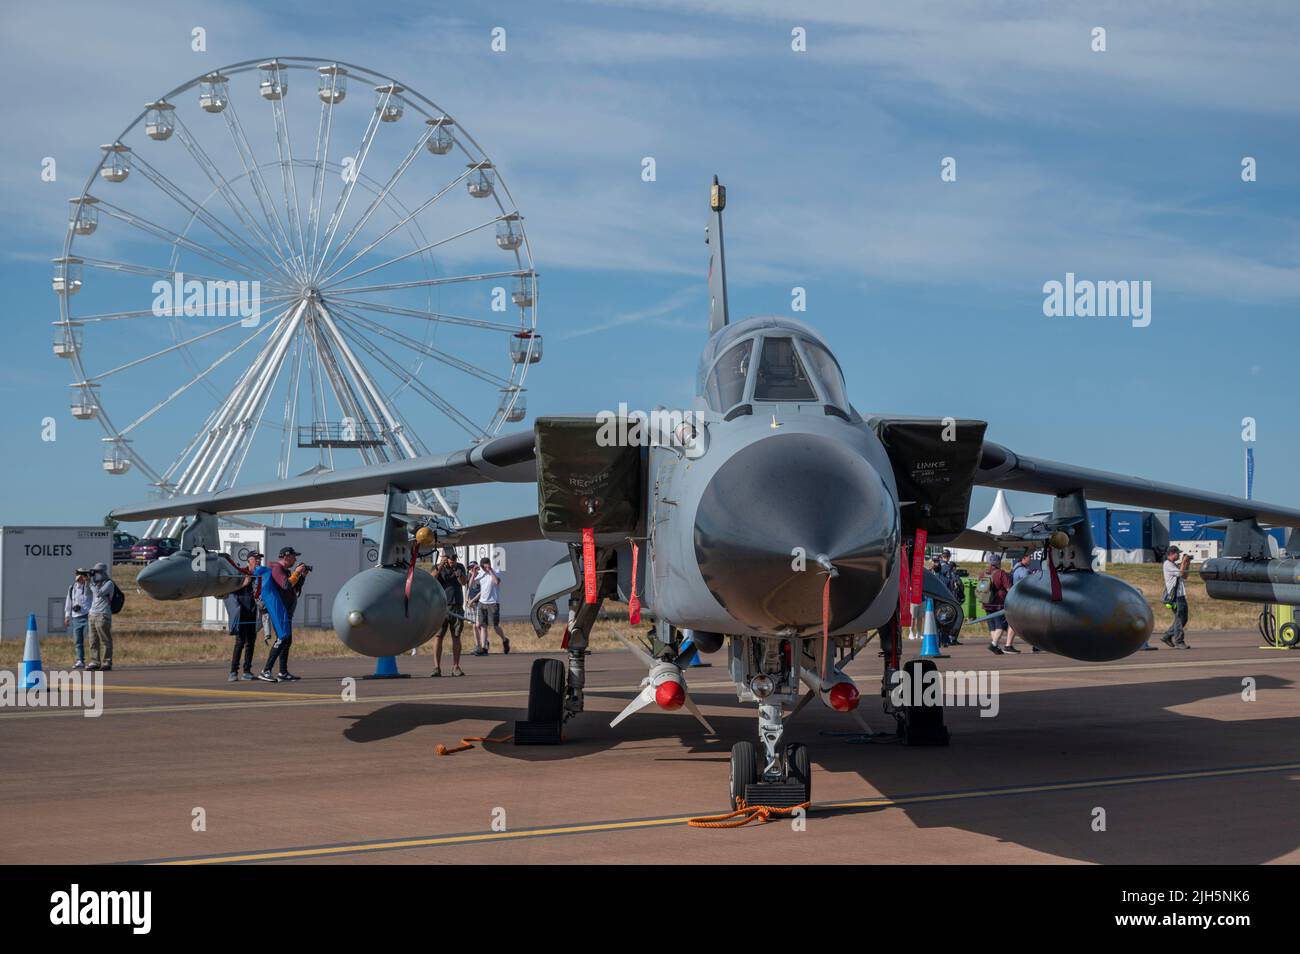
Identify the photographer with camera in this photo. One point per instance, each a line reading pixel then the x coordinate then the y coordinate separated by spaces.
pixel 1175 575
pixel 76 613
pixel 242 610
pixel 282 582
pixel 451 574
pixel 105 600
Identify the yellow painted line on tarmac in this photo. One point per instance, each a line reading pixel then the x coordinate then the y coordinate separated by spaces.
pixel 633 824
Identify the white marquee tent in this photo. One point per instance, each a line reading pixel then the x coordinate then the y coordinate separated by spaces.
pixel 997 520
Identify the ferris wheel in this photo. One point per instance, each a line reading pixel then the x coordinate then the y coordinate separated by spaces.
pixel 234 311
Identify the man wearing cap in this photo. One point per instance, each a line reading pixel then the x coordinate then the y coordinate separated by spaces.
pixel 241 609
pixel 102 589
pixel 451 574
pixel 1175 571
pixel 281 583
pixel 76 613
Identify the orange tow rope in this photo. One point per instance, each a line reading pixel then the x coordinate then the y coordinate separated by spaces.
pixel 468 743
pixel 744 814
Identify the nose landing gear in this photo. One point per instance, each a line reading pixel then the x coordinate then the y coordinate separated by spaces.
pixel 771 773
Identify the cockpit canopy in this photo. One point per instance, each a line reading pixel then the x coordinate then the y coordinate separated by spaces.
pixel 769 360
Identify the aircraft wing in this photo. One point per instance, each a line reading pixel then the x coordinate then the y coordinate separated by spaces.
pixel 505 459
pixel 1000 467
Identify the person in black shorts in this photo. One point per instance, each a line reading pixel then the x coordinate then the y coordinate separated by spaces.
pixel 453 578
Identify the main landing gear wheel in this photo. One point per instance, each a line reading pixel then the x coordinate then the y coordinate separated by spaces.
pixel 545 704
pixel 798 768
pixel 744 769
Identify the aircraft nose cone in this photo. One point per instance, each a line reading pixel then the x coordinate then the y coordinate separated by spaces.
pixel 789 494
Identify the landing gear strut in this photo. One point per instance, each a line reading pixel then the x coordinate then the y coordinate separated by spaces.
pixel 555 690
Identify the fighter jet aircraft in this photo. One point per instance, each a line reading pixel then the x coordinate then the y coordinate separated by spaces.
pixel 775 521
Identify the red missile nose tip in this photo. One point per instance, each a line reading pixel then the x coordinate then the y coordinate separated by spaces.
pixel 844 697
pixel 670 695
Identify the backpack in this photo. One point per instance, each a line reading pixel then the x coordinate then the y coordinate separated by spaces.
pixel 984 590
pixel 117 600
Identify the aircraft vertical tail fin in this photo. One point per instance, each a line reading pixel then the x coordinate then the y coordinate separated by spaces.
pixel 717 259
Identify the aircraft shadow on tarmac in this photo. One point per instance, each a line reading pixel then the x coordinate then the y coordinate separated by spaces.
pixel 1041 737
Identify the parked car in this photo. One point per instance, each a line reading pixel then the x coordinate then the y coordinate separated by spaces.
pixel 151 548
pixel 123 543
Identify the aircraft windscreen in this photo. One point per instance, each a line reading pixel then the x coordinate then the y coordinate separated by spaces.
pixel 781 375
pixel 726 384
pixel 826 371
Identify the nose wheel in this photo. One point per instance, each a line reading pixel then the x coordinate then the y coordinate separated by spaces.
pixel 780 777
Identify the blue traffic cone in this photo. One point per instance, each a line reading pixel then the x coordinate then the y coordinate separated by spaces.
pixel 33 672
pixel 386 668
pixel 930 635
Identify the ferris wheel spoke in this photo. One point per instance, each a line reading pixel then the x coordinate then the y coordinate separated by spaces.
pixel 237 430
pixel 178 312
pixel 418 386
pixel 145 271
pixel 442 357
pixel 221 424
pixel 348 388
pixel 382 194
pixel 253 171
pixel 392 229
pixel 202 374
pixel 291 409
pixel 198 248
pixel 195 208
pixel 442 317
pixel 288 180
pixel 427 282
pixel 375 396
pixel 417 251
pixel 231 197
pixel 351 180
pixel 324 129
pixel 250 436
pixel 165 351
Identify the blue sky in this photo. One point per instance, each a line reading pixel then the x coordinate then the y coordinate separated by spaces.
pixel 1115 166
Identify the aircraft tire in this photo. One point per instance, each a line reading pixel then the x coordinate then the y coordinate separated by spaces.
pixel 1288 635
pixel 744 769
pixel 798 767
pixel 546 691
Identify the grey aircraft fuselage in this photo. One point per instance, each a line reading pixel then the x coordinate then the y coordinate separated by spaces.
pixel 744 529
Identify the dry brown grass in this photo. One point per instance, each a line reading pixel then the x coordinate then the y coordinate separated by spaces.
pixel 148 632
pixel 1202 612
